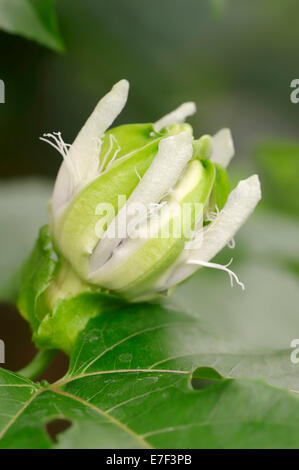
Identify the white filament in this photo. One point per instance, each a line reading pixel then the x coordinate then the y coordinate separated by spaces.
pixel 56 141
pixel 231 274
pixel 231 243
pixel 211 216
pixel 137 174
pixel 112 140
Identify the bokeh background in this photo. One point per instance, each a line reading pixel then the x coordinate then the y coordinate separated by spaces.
pixel 236 60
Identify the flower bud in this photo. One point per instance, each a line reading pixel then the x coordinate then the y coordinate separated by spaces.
pixel 138 208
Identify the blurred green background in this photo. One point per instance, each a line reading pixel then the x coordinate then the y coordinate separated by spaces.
pixel 236 60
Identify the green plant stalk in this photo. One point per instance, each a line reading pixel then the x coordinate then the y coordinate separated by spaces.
pixel 38 364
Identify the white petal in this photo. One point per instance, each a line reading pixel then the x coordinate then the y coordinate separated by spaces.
pixel 240 204
pixel 173 154
pixel 222 147
pixel 63 188
pixel 177 116
pixel 84 152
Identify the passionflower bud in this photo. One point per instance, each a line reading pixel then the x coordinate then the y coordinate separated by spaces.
pixel 136 209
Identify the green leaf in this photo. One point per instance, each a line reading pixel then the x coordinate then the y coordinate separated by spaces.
pixel 206 373
pixel 33 19
pixel 278 162
pixel 126 389
pixel 176 341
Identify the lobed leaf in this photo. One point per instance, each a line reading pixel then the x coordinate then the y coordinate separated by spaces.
pixel 127 387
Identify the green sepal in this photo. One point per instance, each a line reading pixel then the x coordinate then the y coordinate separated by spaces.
pixel 202 147
pixel 38 271
pixel 59 329
pixel 127 138
pixel 221 189
pixel 55 302
pixel 222 186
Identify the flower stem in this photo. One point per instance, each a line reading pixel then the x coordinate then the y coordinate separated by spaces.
pixel 38 364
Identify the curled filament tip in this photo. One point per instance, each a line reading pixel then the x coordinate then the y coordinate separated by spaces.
pixel 233 277
pixel 56 141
